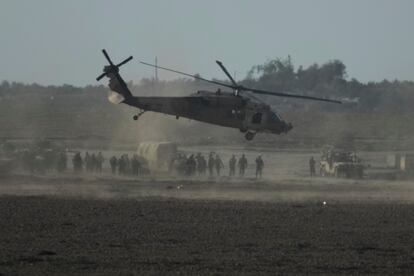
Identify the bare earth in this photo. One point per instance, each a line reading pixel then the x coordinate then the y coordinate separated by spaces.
pixel 106 226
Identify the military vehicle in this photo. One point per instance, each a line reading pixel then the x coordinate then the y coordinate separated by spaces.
pixel 239 109
pixel 40 156
pixel 341 163
pixel 158 155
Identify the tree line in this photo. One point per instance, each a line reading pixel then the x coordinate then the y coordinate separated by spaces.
pixel 326 80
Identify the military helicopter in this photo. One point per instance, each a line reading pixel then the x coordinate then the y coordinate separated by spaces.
pixel 239 108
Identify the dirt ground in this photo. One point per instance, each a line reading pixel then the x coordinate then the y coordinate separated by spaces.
pixel 101 225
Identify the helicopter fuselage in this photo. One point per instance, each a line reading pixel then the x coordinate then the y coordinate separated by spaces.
pixel 240 109
pixel 219 108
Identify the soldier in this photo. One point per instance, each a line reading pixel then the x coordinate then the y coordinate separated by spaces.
pixel 259 166
pixel 191 165
pixel 135 165
pixel 199 163
pixel 77 163
pixel 121 165
pixel 312 163
pixel 113 162
pixel 219 164
pixel 181 164
pixel 242 165
pixel 99 161
pixel 93 163
pixel 127 169
pixel 232 165
pixel 87 162
pixel 62 163
pixel 211 164
pixel 203 165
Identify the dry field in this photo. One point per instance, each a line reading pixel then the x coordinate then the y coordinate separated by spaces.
pixel 101 225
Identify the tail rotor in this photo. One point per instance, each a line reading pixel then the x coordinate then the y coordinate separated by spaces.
pixel 111 68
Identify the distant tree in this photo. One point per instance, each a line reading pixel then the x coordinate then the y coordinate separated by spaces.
pixel 274 74
pixel 333 70
pixel 5 86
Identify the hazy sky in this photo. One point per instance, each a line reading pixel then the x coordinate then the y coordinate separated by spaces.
pixel 56 42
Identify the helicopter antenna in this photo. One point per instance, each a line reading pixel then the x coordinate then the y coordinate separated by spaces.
pixel 239 88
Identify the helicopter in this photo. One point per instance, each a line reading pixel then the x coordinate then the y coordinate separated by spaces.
pixel 239 109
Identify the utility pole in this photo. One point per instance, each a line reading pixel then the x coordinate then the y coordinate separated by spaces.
pixel 156 69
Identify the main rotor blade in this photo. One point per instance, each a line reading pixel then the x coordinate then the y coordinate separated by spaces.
pixel 278 94
pixel 189 75
pixel 101 76
pixel 226 72
pixel 107 56
pixel 125 61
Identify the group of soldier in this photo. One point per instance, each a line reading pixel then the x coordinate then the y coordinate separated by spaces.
pixel 213 165
pixel 93 163
pixel 192 165
pixel 90 163
pixel 126 166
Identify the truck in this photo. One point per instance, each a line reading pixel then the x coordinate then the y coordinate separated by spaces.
pixel 158 155
pixel 341 163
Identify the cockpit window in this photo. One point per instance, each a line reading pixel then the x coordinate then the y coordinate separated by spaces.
pixel 273 117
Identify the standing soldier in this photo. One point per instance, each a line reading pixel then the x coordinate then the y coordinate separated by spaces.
pixel 181 164
pixel 93 163
pixel 135 165
pixel 191 165
pixel 211 164
pixel 219 164
pixel 62 163
pixel 113 162
pixel 127 169
pixel 203 165
pixel 99 161
pixel 242 165
pixel 121 165
pixel 77 163
pixel 232 165
pixel 199 162
pixel 259 166
pixel 87 162
pixel 312 163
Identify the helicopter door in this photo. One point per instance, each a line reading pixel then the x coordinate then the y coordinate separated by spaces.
pixel 257 118
pixel 254 120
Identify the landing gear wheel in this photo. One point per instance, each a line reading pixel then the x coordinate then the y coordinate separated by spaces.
pixel 136 117
pixel 243 130
pixel 249 136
